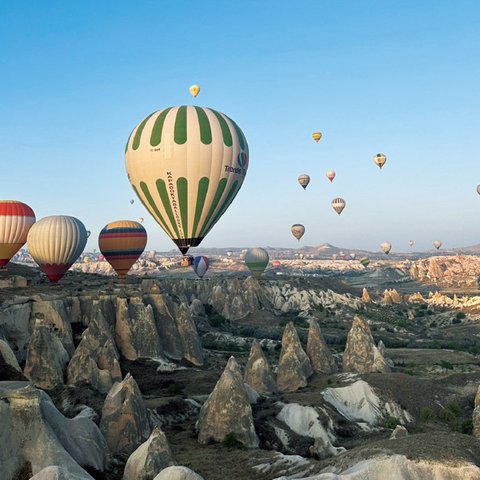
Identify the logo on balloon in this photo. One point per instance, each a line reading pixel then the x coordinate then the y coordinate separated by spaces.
pixel 242 160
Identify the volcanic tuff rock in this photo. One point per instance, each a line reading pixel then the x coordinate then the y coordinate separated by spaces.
pixel 365 296
pixel 136 334
pixel 149 458
pixel 35 432
pixel 319 354
pixel 15 323
pixel 399 432
pixel 178 473
pixel 258 373
pixel 58 473
pixel 7 356
pixel 361 355
pixel 164 313
pixel 46 357
pixel 476 415
pixel 227 410
pixel 191 345
pixel 293 366
pixel 124 417
pixel 96 360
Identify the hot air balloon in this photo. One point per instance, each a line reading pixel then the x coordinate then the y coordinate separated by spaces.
pixel 331 175
pixel 276 264
pixel 410 243
pixel 132 201
pixel 365 261
pixel 316 136
pixel 478 189
pixel 121 243
pixel 186 164
pixel 194 90
pixel 338 204
pixel 55 243
pixel 353 255
pixel 229 253
pixel 304 180
pixel 16 219
pixel 256 259
pixel 140 220
pixel 386 247
pixel 478 281
pixel 380 159
pixel 200 265
pixel 298 230
pixel 437 244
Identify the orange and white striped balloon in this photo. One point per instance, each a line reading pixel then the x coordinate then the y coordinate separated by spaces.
pixel 16 219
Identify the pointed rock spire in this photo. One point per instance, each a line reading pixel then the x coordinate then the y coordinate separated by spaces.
pixel 258 373
pixel 227 410
pixel 321 358
pixel 294 367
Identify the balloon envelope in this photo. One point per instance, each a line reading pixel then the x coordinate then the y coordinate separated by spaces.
pixel 297 231
pixel 304 180
pixel 200 265
pixel 338 204
pixel 316 136
pixel 186 165
pixel 121 243
pixel 437 244
pixel 256 260
pixel 16 219
pixel 55 243
pixel 194 90
pixel 365 261
pixel 478 189
pixel 380 159
pixel 386 247
pixel 410 243
pixel 331 175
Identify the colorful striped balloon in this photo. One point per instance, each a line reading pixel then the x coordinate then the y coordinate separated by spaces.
pixel 55 243
pixel 186 165
pixel 256 260
pixel 16 219
pixel 121 243
pixel 200 265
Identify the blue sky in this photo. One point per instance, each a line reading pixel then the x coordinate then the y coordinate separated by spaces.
pixel 395 76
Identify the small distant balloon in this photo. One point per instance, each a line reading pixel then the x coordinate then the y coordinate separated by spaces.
pixel 304 180
pixel 365 261
pixel 141 219
pixel 386 247
pixel 410 243
pixel 298 230
pixel 478 189
pixel 229 253
pixel 338 204
pixel 380 159
pixel 437 244
pixel 256 260
pixel 331 175
pixel 316 136
pixel 194 90
pixel 353 256
pixel 132 201
pixel 200 265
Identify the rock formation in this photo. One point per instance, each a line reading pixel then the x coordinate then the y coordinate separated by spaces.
pixel 399 432
pixel 319 354
pixel 476 415
pixel 178 473
pixel 58 473
pixel 366 296
pixel 149 458
pixel 136 334
pixel 124 420
pixel 33 432
pixel 258 373
pixel 361 355
pixel 96 360
pixel 192 348
pixel 46 357
pixel 293 366
pixel 7 357
pixel 227 410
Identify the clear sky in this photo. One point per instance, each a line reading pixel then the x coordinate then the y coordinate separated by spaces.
pixel 395 76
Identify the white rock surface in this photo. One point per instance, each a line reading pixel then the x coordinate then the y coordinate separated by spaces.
pixel 58 473
pixel 178 473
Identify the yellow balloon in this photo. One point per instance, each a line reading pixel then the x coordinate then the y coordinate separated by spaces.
pixel 194 90
pixel 316 136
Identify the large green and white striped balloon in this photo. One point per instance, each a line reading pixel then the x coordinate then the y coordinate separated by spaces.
pixel 186 165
